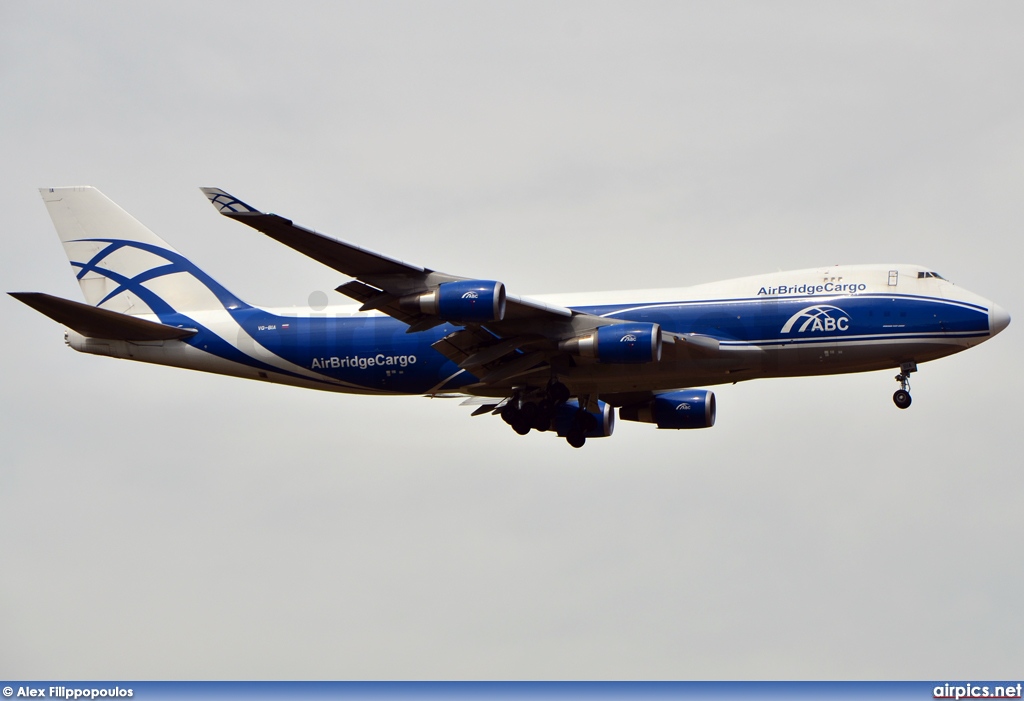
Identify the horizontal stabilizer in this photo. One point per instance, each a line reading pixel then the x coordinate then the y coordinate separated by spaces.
pixel 94 322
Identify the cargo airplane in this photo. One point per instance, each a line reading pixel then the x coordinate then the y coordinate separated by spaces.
pixel 547 364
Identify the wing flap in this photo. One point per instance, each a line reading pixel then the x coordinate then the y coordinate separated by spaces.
pixel 462 344
pixel 373 298
pixel 94 322
pixel 517 306
pixel 690 344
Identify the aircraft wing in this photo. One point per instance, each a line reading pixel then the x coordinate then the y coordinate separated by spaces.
pixel 346 258
pixel 379 279
pixel 524 342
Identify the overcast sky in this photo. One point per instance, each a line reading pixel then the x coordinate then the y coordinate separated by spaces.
pixel 160 523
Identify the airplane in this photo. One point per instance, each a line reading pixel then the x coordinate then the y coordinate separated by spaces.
pixel 549 364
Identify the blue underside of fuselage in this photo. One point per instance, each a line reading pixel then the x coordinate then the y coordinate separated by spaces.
pixel 377 354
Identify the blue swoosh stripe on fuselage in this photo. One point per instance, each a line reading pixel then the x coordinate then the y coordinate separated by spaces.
pixel 760 321
pixel 625 308
pixel 209 342
pixel 311 341
pixel 862 340
pixel 342 348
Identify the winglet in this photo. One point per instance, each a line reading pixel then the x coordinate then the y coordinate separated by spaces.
pixel 227 204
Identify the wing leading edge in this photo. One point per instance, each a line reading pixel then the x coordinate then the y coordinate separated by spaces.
pixel 521 345
pixel 384 279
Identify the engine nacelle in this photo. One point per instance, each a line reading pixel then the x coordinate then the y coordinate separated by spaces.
pixel 688 408
pixel 461 301
pixel 630 342
pixel 601 423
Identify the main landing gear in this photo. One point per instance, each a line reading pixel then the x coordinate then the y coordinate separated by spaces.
pixel 901 397
pixel 528 413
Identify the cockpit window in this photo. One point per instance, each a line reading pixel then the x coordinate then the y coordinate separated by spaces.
pixel 929 274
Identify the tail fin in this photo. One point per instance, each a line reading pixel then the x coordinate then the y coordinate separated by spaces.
pixel 123 266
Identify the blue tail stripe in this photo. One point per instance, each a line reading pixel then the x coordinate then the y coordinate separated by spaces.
pixel 177 264
pixel 134 283
pixel 86 268
pixel 154 301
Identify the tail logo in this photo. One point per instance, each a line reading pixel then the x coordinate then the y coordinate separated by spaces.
pixel 226 203
pixel 820 317
pixel 173 263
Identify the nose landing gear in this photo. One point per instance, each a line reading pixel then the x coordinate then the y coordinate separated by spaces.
pixel 901 397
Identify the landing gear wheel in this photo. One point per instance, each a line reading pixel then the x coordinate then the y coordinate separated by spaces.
pixel 542 421
pixel 901 398
pixel 576 438
pixel 517 418
pixel 528 412
pixel 510 414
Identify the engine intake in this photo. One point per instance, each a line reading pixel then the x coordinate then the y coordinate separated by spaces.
pixel 688 408
pixel 618 343
pixel 461 301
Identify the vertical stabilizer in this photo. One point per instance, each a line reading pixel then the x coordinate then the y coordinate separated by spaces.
pixel 123 266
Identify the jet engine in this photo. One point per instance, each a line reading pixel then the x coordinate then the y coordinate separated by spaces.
pixel 688 408
pixel 630 342
pixel 462 301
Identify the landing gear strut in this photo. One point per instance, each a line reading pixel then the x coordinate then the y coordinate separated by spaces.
pixel 901 397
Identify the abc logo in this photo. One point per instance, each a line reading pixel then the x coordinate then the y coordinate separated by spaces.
pixel 822 317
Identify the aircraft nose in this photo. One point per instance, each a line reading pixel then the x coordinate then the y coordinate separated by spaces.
pixel 998 319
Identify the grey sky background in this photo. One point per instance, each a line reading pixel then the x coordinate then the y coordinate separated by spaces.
pixel 158 523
